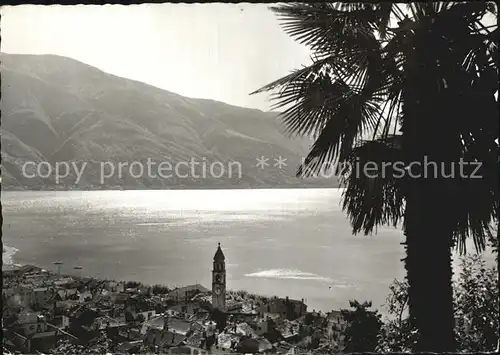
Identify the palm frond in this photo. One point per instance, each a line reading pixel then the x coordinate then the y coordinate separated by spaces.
pixel 492 7
pixel 307 72
pixel 474 201
pixel 343 128
pixel 374 197
pixel 384 14
pixel 325 26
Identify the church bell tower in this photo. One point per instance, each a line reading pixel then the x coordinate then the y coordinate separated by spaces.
pixel 219 281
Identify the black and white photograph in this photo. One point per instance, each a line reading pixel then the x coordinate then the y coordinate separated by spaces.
pixel 239 178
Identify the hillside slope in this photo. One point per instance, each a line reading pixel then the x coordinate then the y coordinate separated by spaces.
pixel 56 109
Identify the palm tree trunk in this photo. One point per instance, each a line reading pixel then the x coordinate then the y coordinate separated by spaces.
pixel 429 272
pixel 498 270
pixel 428 227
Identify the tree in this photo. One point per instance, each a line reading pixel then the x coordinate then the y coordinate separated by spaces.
pixel 399 86
pixel 476 311
pixel 160 290
pixel 132 284
pixel 476 306
pixel 363 327
pixel 397 333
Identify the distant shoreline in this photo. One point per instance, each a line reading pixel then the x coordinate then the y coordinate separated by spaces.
pixel 176 188
pixel 8 253
pixel 137 281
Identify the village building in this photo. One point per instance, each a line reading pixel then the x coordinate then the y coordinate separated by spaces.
pixel 219 280
pixel 283 308
pixel 185 294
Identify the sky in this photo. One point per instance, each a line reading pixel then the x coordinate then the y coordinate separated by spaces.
pixel 214 51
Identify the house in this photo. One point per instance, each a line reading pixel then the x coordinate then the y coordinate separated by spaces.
pixel 336 327
pixel 120 298
pixel 36 275
pixel 116 286
pixel 186 293
pixel 22 296
pixel 10 271
pixel 84 296
pixel 27 315
pixel 131 334
pixel 248 308
pixel 269 329
pixel 233 306
pixel 175 324
pixel 130 347
pixel 228 341
pixel 210 328
pixel 61 322
pixel 93 284
pixel 35 331
pixel 243 329
pixel 105 294
pixel 179 326
pixel 18 342
pixel 198 319
pixel 284 348
pixel 318 321
pixel 147 314
pixel 105 322
pixel 139 311
pixel 26 269
pixel 60 295
pixel 289 330
pixel 44 341
pixel 163 338
pixel 182 309
pixel 335 317
pixel 145 290
pixel 41 296
pixel 283 308
pixel 191 350
pixel 264 325
pixel 253 346
pixel 83 317
pixel 195 339
pixel 29 323
pixel 63 306
pixel 63 282
pixel 72 294
pixel 8 292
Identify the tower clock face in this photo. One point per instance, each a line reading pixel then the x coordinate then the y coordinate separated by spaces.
pixel 218 278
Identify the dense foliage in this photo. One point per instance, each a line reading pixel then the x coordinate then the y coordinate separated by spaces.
pixel 476 303
pixel 476 306
pixel 363 327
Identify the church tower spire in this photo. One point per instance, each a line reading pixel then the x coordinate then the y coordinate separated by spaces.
pixel 219 280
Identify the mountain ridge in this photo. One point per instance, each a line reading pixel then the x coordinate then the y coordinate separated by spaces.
pixel 57 109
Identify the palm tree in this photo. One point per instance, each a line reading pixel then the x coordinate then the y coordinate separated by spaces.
pixel 397 84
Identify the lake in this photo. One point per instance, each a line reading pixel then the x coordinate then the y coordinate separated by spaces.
pixel 284 242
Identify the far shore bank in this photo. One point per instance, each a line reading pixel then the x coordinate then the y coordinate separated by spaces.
pixel 8 255
pixel 14 267
pixel 128 188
